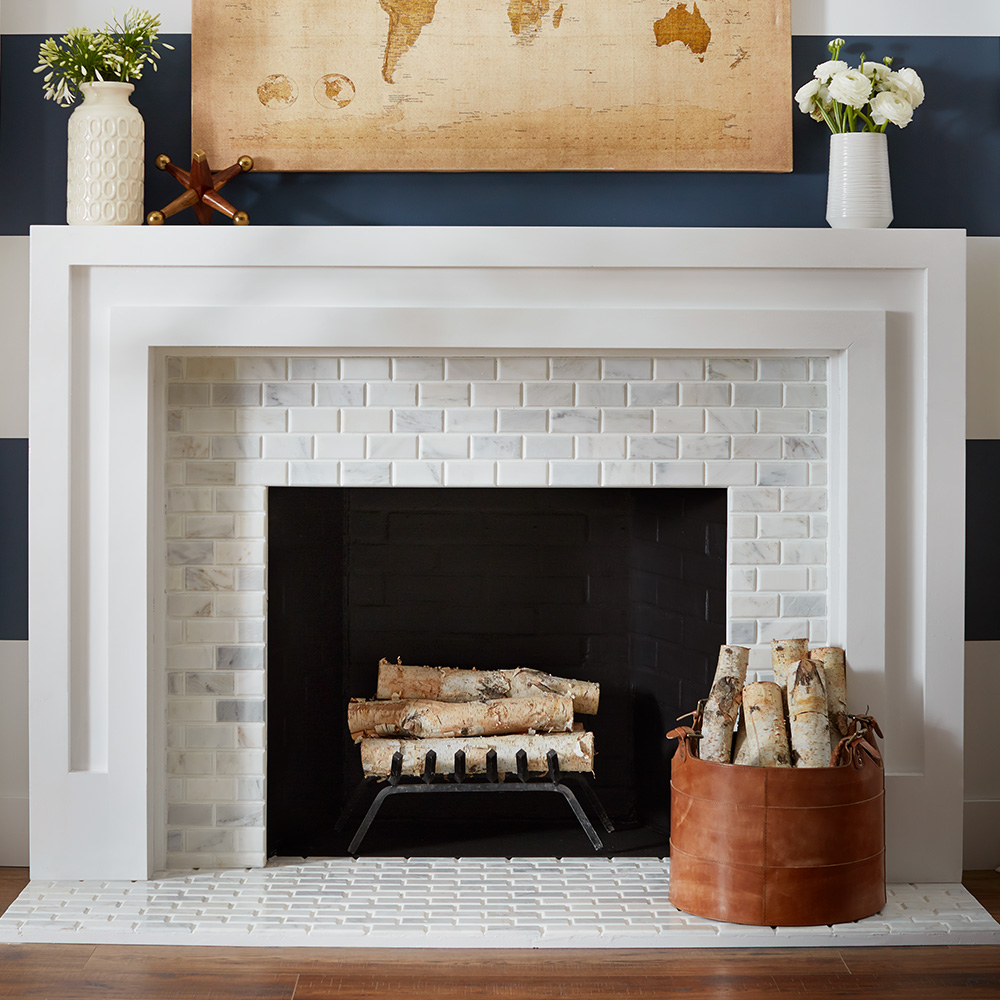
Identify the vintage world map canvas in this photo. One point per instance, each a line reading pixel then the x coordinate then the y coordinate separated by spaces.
pixel 494 84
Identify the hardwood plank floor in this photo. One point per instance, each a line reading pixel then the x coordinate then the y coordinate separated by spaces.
pixel 117 972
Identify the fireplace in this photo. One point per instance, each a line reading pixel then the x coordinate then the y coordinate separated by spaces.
pixel 118 634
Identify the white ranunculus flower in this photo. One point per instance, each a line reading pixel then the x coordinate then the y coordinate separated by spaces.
pixel 822 100
pixel 825 70
pixel 851 87
pixel 891 107
pixel 805 96
pixel 908 85
pixel 877 71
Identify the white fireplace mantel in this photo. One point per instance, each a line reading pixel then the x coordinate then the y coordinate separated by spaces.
pixel 887 308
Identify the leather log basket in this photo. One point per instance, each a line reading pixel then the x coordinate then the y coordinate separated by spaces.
pixel 776 846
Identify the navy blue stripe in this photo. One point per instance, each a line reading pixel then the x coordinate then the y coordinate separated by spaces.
pixel 13 538
pixel 944 165
pixel 982 539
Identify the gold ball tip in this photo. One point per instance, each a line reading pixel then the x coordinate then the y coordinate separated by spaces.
pixel 198 156
pixel 246 163
pixel 241 219
pixel 155 218
pixel 162 161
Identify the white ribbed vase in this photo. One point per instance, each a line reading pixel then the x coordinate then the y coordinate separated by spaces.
pixel 104 158
pixel 858 195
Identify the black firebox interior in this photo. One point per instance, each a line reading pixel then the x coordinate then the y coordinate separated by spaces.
pixel 622 586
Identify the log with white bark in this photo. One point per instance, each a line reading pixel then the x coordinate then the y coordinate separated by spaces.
pixel 807 715
pixel 399 680
pixel 575 750
pixel 785 653
pixel 422 717
pixel 723 705
pixel 762 740
pixel 831 659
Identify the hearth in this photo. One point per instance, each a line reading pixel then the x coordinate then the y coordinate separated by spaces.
pixel 625 587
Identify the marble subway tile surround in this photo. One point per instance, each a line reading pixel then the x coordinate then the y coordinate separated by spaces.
pixel 236 425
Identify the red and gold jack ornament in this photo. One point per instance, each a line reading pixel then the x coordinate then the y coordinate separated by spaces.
pixel 202 192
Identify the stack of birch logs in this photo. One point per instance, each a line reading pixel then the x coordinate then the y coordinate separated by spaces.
pixel 797 720
pixel 446 709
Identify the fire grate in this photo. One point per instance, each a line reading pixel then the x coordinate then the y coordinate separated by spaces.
pixel 430 782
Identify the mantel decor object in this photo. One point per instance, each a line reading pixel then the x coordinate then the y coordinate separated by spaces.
pixel 202 192
pixel 106 134
pixel 857 106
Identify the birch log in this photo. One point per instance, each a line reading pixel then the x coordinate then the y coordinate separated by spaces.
pixel 807 715
pixel 422 717
pixel 575 750
pixel 764 740
pixel 399 680
pixel 785 653
pixel 831 659
pixel 723 705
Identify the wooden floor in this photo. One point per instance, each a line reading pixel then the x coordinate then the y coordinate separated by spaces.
pixel 110 972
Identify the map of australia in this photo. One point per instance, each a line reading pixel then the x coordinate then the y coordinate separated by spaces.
pixel 494 84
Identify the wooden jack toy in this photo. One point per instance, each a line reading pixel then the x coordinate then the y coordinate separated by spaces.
pixel 202 190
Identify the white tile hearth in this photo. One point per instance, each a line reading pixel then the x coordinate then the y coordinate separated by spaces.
pixel 474 903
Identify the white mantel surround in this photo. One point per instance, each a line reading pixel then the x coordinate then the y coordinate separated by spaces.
pixel 887 309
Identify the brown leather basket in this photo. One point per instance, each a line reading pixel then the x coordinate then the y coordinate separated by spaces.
pixel 776 846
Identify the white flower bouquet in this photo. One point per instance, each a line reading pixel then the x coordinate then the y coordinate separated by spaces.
pixel 115 54
pixel 865 99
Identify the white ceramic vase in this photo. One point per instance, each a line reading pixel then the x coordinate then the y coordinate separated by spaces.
pixel 104 158
pixel 858 195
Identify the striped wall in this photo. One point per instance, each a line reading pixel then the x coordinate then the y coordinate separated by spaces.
pixel 944 170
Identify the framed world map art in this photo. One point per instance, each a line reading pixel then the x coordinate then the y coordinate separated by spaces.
pixel 494 84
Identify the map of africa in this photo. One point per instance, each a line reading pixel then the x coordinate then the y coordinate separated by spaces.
pixel 494 84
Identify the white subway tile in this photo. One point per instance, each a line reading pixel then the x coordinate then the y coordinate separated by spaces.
pixel 783 369
pixel 313 369
pixel 705 394
pixel 189 553
pixel 781 628
pixel 756 446
pixel 210 473
pixel 549 393
pixel 189 605
pixel 679 369
pixel 804 448
pixel 189 658
pixel 731 421
pixel 679 421
pixel 236 446
pixel 652 446
pixel 248 498
pixel 209 630
pixel 782 578
pixel 470 369
pixel 817 631
pixel 211 737
pixel 730 369
pixel 819 526
pixel 754 499
pixel 818 368
pixel 469 473
pixel 704 446
pixel 249 762
pixel 742 526
pixel 755 553
pixel 197 840
pixel 742 633
pixel 417 474
pixel 188 394
pixel 730 473
pixel 496 394
pixel 817 578
pixel 250 630
pixel 391 394
pixel 190 710
pixel 365 369
pixel 175 368
pixel 753 605
pixel 574 421
pixel 574 473
pixel 444 394
pixel 757 394
pixel 522 473
pixel 783 473
pixel 250 682
pixel 366 474
pixel 181 499
pixel 330 446
pixel 548 446
pixel 210 420
pixel 810 394
pixel 366 421
pixel 575 369
pixel 239 552
pixel 175 525
pixel 601 394
pixel 250 473
pixel 417 369
pixel 261 369
pixel 799 552
pixel 818 474
pixel 315 420
pixel 239 605
pixel 601 446
pixel 654 394
pixel 496 446
pixel 208 578
pixel 818 422
pixel 743 579
pixel 428 421
pixel 777 421
pixel 803 605
pixel 784 526
pixel 248 838
pixel 260 421
pixel 626 473
pixel 211 368
pixel 236 394
pixel 208 682
pixel 444 446
pixel 520 421
pixel 389 446
pixel 288 445
pixel 341 393
pixel 631 421
pixel 524 369
pixel 189 762
pixel 678 473
pixel 627 369
pixel 810 499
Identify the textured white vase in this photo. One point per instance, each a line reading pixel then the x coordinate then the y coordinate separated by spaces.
pixel 858 195
pixel 104 158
